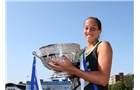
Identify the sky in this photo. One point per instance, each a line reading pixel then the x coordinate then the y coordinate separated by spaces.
pixel 31 25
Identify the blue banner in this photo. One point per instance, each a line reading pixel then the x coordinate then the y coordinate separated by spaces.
pixel 34 79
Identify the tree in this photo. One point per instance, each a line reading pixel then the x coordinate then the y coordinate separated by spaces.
pixel 109 86
pixel 118 86
pixel 129 81
pixel 112 86
pixel 21 83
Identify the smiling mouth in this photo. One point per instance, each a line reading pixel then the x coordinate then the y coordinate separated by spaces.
pixel 89 35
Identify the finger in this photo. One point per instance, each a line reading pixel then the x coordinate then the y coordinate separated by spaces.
pixel 66 59
pixel 55 61
pixel 51 64
pixel 54 67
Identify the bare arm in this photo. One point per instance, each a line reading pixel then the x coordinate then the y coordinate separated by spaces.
pixel 100 77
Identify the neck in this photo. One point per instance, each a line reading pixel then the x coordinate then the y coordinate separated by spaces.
pixel 91 45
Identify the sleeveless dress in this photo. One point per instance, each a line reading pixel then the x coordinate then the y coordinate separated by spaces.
pixel 92 64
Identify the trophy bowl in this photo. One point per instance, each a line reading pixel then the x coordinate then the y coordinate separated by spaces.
pixel 55 51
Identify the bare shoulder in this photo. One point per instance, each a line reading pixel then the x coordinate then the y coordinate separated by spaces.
pixel 105 45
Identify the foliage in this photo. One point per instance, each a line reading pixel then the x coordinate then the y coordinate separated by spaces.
pixel 129 81
pixel 118 86
pixel 126 84
pixel 109 86
pixel 21 83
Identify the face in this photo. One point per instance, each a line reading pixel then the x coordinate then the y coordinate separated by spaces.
pixel 91 31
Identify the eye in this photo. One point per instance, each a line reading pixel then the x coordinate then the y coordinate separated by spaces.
pixel 86 28
pixel 93 28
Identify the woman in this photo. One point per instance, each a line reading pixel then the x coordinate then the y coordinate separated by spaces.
pixel 94 73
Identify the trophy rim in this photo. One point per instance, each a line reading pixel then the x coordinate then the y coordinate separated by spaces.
pixel 56 44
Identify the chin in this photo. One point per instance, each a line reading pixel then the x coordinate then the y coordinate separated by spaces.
pixel 89 40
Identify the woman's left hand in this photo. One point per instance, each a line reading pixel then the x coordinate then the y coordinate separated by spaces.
pixel 61 66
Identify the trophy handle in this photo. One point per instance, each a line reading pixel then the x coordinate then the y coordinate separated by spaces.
pixel 42 59
pixel 35 54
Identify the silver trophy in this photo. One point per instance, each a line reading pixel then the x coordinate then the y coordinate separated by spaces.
pixel 55 51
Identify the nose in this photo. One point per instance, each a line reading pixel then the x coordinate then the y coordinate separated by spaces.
pixel 89 30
